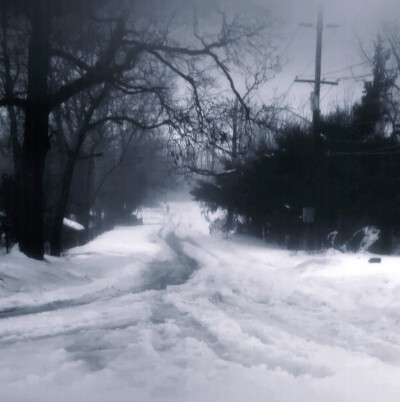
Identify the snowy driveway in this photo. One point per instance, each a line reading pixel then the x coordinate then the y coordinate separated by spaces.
pixel 164 312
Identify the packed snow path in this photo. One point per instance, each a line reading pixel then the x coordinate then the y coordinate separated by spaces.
pixel 164 312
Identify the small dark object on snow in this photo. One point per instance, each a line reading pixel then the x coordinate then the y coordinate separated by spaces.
pixel 376 260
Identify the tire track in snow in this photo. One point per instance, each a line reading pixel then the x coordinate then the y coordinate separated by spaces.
pixel 178 272
pixel 158 276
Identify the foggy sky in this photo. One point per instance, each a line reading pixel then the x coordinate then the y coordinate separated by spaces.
pixel 359 20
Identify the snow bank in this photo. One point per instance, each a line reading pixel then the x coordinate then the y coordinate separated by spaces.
pixel 73 225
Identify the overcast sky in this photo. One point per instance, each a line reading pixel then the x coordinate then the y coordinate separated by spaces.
pixel 356 19
pixel 359 22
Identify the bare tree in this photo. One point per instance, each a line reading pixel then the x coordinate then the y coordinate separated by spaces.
pixel 391 34
pixel 124 50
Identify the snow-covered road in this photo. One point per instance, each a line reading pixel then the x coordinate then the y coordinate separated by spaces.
pixel 164 312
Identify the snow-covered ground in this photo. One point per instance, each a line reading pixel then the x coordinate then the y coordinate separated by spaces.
pixel 164 312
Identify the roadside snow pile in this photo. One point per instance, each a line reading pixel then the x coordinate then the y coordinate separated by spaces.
pixel 123 241
pixel 23 279
pixel 85 272
pixel 168 313
pixel 73 225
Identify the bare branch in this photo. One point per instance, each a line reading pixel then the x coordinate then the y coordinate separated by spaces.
pixel 18 102
pixel 136 123
pixel 70 58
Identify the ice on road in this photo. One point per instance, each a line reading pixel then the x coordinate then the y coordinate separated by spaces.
pixel 165 312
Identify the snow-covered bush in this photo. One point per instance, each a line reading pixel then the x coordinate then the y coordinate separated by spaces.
pixel 360 241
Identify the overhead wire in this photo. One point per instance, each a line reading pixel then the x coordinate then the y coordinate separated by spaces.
pixel 356 77
pixel 326 94
pixel 386 150
pixel 394 152
pixel 291 39
pixel 346 68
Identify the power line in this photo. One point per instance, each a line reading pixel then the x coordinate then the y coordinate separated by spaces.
pixel 287 91
pixel 346 68
pixel 356 77
pixel 326 94
pixel 394 152
pixel 388 150
pixel 291 39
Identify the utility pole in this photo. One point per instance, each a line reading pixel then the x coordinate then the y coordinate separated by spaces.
pixel 311 214
pixel 317 85
pixel 315 95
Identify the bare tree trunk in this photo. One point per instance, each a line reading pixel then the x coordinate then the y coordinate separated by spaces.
pixel 9 92
pixel 36 142
pixel 229 218
pixel 87 198
pixel 235 131
pixel 57 226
